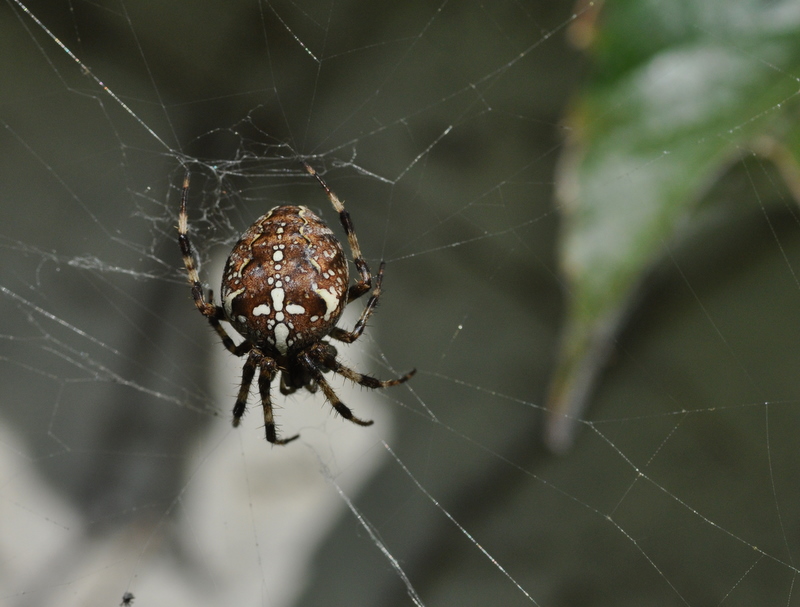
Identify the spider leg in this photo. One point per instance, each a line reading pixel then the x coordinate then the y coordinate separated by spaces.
pixel 367 380
pixel 363 285
pixel 337 404
pixel 351 336
pixel 265 377
pixel 206 309
pixel 242 348
pixel 248 371
pixel 326 355
pixel 212 313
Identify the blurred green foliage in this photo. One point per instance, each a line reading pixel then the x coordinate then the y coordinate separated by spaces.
pixel 680 91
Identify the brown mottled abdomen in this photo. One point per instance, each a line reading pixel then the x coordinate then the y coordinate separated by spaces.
pixel 285 282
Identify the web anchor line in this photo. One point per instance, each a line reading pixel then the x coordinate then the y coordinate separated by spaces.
pixel 457 524
pixel 85 69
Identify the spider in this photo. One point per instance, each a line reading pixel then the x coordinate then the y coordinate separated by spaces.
pixel 284 288
pixel 127 599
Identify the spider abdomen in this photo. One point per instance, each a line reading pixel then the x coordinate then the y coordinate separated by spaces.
pixel 285 283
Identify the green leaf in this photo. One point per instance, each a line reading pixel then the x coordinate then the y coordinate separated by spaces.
pixel 680 91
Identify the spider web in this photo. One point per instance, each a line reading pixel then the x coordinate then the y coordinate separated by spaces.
pixel 440 126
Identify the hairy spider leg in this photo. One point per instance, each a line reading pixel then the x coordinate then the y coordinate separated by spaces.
pixel 317 356
pixel 367 380
pixel 363 285
pixel 267 370
pixel 350 336
pixel 213 313
pixel 265 377
pixel 334 400
pixel 248 371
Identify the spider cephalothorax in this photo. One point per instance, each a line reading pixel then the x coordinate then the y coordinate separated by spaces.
pixel 284 287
